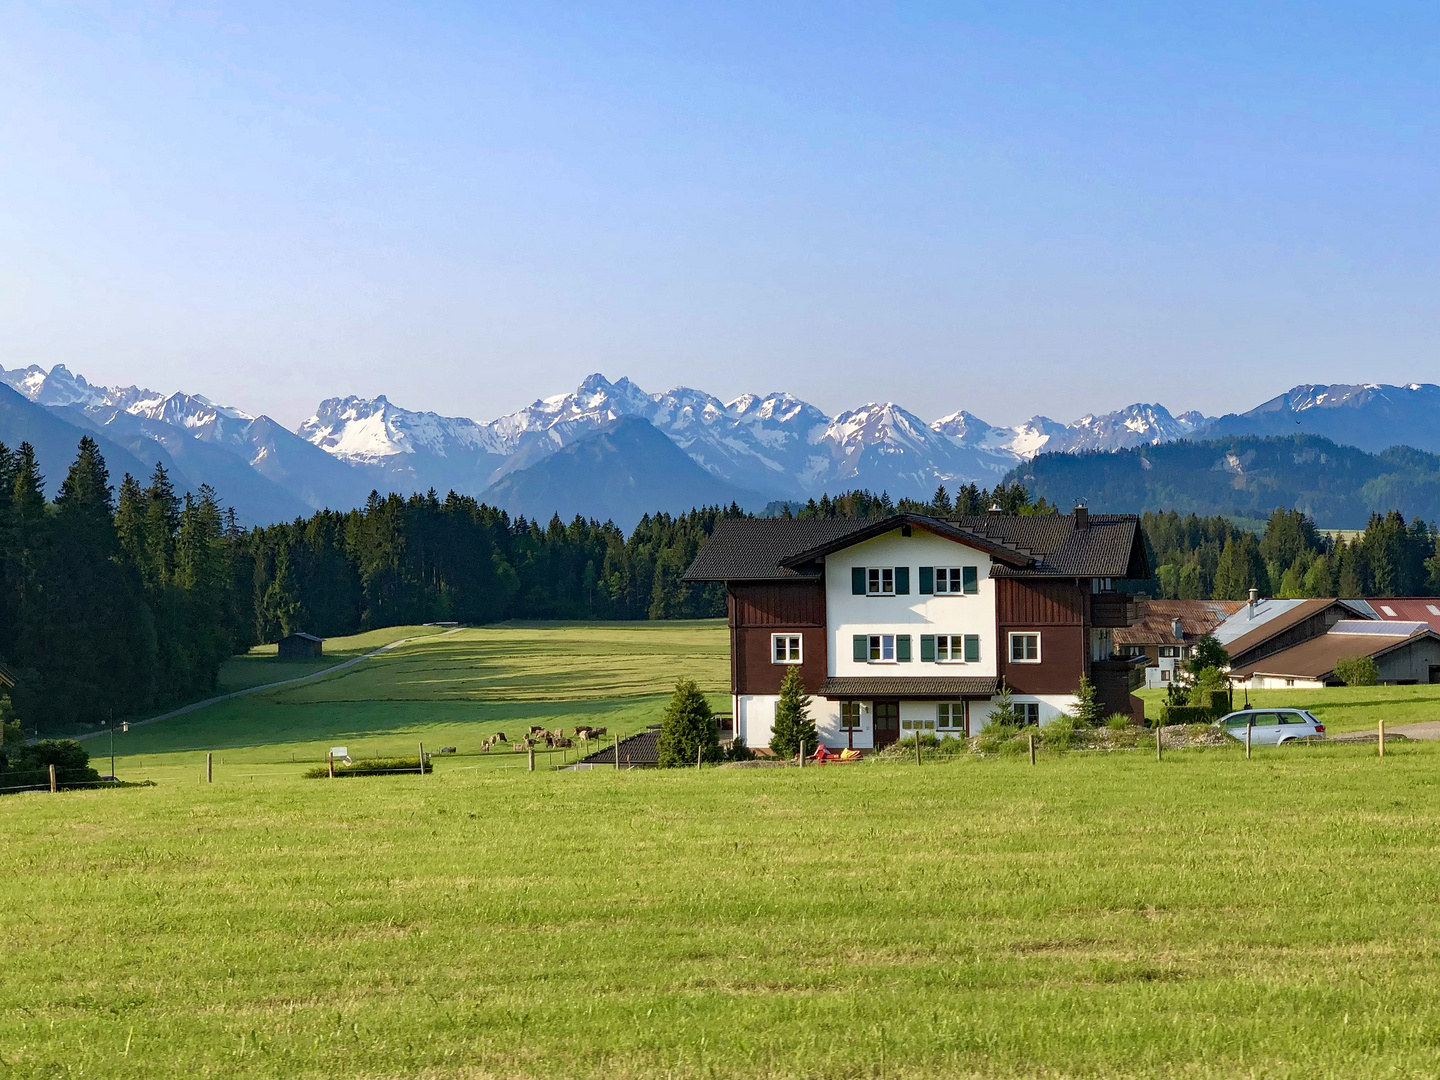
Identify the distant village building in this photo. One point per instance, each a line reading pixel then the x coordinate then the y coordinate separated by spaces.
pixel 1404 653
pixel 910 623
pixel 1166 631
pixel 300 647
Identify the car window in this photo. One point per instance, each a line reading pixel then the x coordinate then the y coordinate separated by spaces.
pixel 1292 718
pixel 1239 719
pixel 1266 719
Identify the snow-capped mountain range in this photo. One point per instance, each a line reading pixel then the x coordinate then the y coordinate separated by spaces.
pixel 760 448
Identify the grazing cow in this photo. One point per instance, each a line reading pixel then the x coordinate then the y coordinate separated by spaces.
pixel 597 733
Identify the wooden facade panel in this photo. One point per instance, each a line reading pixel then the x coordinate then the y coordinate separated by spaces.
pixel 753 669
pixel 799 603
pixel 1062 654
pixel 1025 602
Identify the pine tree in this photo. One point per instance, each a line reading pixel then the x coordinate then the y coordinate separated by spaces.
pixel 1087 710
pixel 793 723
pixel 1003 712
pixel 688 729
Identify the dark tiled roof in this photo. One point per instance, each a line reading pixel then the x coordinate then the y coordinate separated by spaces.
pixel 1155 625
pixel 635 750
pixel 912 688
pixel 1050 545
pixel 752 549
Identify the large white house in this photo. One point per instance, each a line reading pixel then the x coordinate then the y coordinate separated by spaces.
pixel 910 623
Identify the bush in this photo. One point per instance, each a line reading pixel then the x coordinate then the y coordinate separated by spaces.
pixel 793 724
pixel 1204 685
pixel 1118 721
pixel 29 764
pixel 381 766
pixel 1357 671
pixel 1186 714
pixel 739 751
pixel 688 729
pixel 1059 734
pixel 998 738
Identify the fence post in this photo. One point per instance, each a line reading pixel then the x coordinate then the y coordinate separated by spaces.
pixel 1249 726
pixel 917 746
pixel 1382 736
pixel 331 759
pixel 697 755
pixel 53 787
pixel 209 768
pixel 617 751
pixel 1032 747
pixel 1158 745
pixel 802 753
pixel 532 758
pixel 422 759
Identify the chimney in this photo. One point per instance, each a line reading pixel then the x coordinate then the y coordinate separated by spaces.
pixel 1082 514
pixel 1177 628
pixel 1254 599
pixel 995 507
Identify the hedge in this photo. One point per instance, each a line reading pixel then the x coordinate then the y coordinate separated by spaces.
pixel 385 766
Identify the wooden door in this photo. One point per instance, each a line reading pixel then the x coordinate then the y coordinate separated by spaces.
pixel 887 722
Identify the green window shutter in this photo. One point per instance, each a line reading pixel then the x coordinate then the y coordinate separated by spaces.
pixel 902 648
pixel 902 581
pixel 857 581
pixel 927 580
pixel 927 648
pixel 970 579
pixel 862 648
pixel 972 648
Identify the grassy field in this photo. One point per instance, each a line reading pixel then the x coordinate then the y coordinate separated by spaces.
pixel 1094 915
pixel 446 689
pixel 261 665
pixel 1341 708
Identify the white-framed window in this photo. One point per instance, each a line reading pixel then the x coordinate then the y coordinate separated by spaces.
pixel 1029 711
pixel 950 716
pixel 1169 652
pixel 957 648
pixel 956 580
pixel 880 581
pixel 785 648
pixel 882 648
pixel 1165 673
pixel 1102 584
pixel 850 716
pixel 1025 648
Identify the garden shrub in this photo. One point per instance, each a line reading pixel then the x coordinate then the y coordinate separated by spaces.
pixel 688 729
pixel 1186 714
pixel 1118 721
pixel 1059 734
pixel 739 751
pixel 29 764
pixel 1357 671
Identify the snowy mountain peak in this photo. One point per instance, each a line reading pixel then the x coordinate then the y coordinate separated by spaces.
pixel 372 430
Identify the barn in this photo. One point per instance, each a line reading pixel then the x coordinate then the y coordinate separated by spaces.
pixel 300 647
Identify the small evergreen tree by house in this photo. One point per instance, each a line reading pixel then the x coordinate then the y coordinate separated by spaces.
pixel 688 728
pixel 1003 712
pixel 1357 671
pixel 793 724
pixel 1087 710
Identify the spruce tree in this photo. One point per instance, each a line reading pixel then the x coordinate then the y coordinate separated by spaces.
pixel 1003 712
pixel 688 728
pixel 793 723
pixel 1087 710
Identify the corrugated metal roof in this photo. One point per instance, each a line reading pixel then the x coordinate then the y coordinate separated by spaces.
pixel 640 749
pixel 937 687
pixel 1424 609
pixel 1249 619
pixel 1316 658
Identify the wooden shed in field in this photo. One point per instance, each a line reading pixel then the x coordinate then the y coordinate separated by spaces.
pixel 300 647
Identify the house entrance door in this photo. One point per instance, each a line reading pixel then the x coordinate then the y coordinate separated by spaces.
pixel 887 722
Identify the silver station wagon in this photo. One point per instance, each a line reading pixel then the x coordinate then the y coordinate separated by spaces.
pixel 1271 727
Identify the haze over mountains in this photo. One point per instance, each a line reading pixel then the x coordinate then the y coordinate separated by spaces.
pixel 594 450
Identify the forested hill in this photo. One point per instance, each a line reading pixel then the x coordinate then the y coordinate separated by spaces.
pixel 1338 486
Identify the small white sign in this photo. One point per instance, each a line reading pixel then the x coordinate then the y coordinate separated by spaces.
pixel 340 751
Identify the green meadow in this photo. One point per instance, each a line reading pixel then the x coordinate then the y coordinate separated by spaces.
pixel 1093 915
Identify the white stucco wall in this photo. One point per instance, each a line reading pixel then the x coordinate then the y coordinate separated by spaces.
pixel 915 614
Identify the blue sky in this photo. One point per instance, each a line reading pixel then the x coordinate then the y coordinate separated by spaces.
pixel 1010 209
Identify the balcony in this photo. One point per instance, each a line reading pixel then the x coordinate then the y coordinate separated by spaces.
pixel 1112 610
